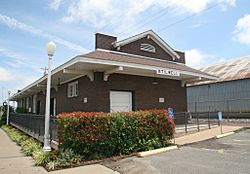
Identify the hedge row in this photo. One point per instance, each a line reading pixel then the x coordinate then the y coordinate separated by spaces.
pixel 98 134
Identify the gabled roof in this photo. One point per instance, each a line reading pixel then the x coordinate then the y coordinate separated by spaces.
pixel 232 69
pixel 152 35
pixel 108 55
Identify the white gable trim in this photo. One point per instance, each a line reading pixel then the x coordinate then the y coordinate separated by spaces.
pixel 152 35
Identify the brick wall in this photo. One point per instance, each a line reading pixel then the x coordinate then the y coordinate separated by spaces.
pixel 145 95
pixel 104 41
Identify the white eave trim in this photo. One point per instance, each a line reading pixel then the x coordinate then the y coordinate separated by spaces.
pixel 139 66
pixel 154 37
pixel 108 62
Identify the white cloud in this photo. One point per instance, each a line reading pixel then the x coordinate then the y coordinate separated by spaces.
pixel 25 81
pixel 17 80
pixel 5 75
pixel 225 3
pixel 17 60
pixel 15 24
pixel 55 4
pixel 99 13
pixel 242 31
pixel 194 58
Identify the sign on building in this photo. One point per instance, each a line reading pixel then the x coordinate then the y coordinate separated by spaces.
pixel 167 72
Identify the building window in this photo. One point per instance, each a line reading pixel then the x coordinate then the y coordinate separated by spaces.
pixel 73 89
pixel 147 47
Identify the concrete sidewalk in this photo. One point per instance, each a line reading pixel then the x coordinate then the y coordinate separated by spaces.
pixel 204 135
pixel 13 161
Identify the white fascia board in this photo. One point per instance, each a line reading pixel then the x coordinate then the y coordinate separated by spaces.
pixel 68 71
pixel 155 37
pixel 63 66
pixel 139 66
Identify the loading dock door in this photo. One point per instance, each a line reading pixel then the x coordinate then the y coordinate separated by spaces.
pixel 120 101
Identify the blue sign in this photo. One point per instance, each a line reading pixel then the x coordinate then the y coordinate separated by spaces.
pixel 171 113
pixel 220 116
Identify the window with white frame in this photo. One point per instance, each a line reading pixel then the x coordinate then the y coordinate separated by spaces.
pixel 147 47
pixel 73 89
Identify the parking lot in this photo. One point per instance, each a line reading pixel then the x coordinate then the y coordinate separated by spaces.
pixel 230 155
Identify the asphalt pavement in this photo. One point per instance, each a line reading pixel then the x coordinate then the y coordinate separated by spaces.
pixel 229 155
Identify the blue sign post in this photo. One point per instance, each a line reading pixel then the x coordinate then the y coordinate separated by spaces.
pixel 171 113
pixel 220 120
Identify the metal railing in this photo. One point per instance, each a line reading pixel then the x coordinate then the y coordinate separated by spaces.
pixel 34 125
pixel 190 121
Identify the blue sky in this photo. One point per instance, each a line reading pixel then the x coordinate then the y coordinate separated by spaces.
pixel 207 30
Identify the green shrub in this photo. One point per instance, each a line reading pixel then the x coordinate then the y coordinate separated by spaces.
pixel 21 110
pixel 30 145
pixel 95 135
pixel 67 157
pixel 3 114
pixel 3 118
pixel 16 135
pixel 52 165
pixel 41 157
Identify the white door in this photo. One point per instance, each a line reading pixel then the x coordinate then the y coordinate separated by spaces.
pixel 120 101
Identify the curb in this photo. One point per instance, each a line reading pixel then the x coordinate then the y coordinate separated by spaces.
pixel 224 135
pixel 156 151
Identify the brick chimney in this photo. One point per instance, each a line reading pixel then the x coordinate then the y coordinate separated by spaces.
pixel 104 41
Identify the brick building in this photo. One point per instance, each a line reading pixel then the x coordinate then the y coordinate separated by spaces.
pixel 141 72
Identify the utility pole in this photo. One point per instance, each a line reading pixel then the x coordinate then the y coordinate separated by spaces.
pixel 2 96
pixel 45 69
pixel 2 101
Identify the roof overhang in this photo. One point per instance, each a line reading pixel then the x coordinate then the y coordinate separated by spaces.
pixel 150 35
pixel 86 66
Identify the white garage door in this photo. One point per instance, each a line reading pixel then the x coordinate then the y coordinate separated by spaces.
pixel 120 101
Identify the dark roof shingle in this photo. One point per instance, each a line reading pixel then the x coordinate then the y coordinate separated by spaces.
pixel 129 58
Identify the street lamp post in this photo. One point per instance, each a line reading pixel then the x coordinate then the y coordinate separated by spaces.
pixel 50 49
pixel 8 108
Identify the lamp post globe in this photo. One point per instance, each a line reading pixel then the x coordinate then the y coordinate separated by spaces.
pixel 51 47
